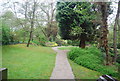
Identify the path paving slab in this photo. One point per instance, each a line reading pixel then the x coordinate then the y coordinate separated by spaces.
pixel 62 69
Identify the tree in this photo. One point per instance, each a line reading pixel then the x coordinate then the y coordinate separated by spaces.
pixel 104 10
pixel 49 10
pixel 8 27
pixel 25 8
pixel 29 17
pixel 115 33
pixel 19 23
pixel 5 34
pixel 32 20
pixel 76 15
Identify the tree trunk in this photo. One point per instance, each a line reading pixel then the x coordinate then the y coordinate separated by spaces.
pixel 115 42
pixel 29 39
pixel 82 41
pixel 115 34
pixel 32 23
pixel 104 32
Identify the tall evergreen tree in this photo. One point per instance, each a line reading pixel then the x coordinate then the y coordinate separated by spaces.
pixel 79 16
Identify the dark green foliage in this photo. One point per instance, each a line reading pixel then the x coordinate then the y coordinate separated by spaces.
pixel 36 42
pixel 118 45
pixel 41 41
pixel 61 42
pixel 73 42
pixel 111 45
pixel 75 14
pixel 92 58
pixel 9 26
pixel 65 15
pixel 5 34
pixel 118 59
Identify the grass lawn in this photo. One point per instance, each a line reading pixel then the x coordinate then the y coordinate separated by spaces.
pixel 66 48
pixel 81 72
pixel 34 62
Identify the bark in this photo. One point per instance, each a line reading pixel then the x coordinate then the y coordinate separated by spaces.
pixel 115 34
pixel 104 32
pixel 29 39
pixel 32 24
pixel 118 22
pixel 82 41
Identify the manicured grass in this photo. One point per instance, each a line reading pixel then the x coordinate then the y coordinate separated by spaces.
pixel 66 47
pixel 81 72
pixel 34 62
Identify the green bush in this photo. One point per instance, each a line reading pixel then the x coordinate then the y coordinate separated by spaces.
pixel 118 59
pixel 110 45
pixel 61 42
pixel 74 53
pixel 35 42
pixel 73 42
pixel 51 44
pixel 92 58
pixel 42 41
pixel 118 45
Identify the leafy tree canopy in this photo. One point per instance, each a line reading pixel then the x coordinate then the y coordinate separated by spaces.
pixel 78 17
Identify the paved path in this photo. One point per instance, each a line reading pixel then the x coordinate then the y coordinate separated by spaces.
pixel 62 69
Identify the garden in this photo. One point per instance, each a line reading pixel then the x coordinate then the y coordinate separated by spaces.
pixel 39 35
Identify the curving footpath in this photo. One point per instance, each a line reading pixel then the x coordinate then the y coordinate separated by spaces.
pixel 62 69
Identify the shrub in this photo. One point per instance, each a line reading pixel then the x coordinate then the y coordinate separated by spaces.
pixel 118 59
pixel 74 53
pixel 38 43
pixel 110 45
pixel 35 42
pixel 51 44
pixel 42 41
pixel 61 42
pixel 92 58
pixel 118 45
pixel 73 42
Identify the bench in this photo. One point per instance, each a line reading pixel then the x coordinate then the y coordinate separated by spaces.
pixel 106 78
pixel 3 74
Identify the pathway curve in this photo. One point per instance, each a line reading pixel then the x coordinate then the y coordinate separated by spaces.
pixel 62 69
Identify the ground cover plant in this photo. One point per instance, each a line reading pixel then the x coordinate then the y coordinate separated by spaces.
pixel 35 62
pixel 92 58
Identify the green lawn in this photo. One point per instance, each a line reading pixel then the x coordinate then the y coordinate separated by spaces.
pixel 81 72
pixel 66 48
pixel 34 62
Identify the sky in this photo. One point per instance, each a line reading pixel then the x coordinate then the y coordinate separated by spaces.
pixel 110 18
